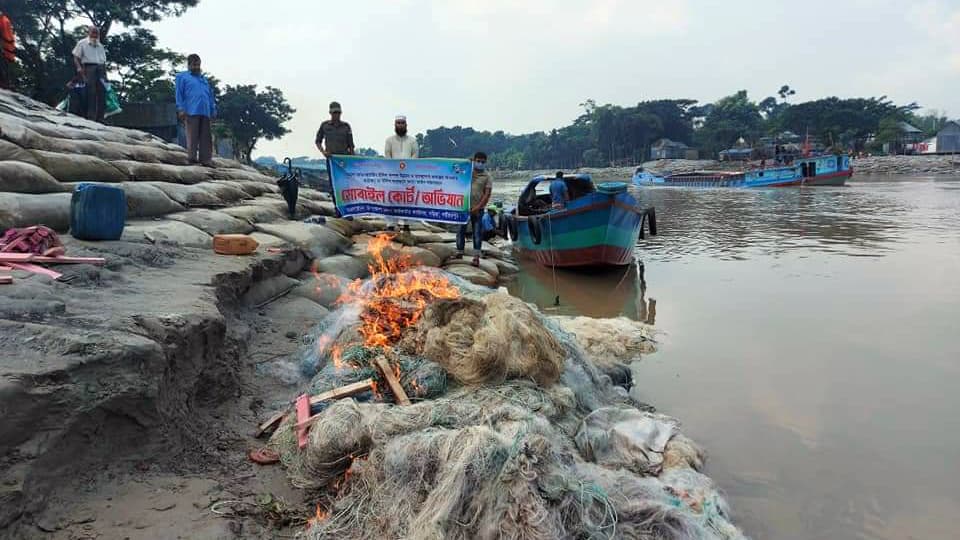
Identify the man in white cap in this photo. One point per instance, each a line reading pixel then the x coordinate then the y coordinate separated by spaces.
pixel 400 146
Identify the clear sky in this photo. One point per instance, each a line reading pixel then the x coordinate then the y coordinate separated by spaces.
pixel 526 65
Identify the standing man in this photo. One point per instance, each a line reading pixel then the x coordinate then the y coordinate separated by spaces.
pixel 91 59
pixel 334 138
pixel 481 186
pixel 195 108
pixel 9 53
pixel 400 146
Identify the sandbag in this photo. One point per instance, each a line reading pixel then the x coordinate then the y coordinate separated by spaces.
pixel 188 196
pixel 318 208
pixel 474 275
pixel 225 191
pixel 144 200
pixel 343 266
pixel 12 152
pixel 488 341
pixel 78 168
pixel 174 232
pixel 24 210
pixel 251 188
pixel 268 289
pixel 442 250
pixel 323 289
pixel 21 177
pixel 212 222
pixel 255 213
pixel 161 172
pixel 486 265
pixel 318 240
pixel 268 240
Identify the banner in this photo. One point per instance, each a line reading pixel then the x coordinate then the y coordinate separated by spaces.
pixel 430 189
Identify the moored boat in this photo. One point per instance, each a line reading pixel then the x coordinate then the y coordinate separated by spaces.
pixel 598 225
pixel 825 170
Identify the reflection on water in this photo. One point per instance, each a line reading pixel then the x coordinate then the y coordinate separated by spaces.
pixel 600 293
pixel 811 344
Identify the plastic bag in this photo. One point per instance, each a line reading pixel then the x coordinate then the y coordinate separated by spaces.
pixel 112 101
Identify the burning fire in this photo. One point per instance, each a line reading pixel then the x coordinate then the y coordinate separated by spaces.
pixel 396 297
pixel 321 515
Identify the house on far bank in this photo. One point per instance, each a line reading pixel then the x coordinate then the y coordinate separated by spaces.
pixel 907 140
pixel 667 149
pixel 948 139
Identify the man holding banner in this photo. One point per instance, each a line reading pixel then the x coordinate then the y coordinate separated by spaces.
pixel 400 146
pixel 335 137
pixel 481 186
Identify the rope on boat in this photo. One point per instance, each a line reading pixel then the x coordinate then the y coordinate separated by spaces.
pixel 553 263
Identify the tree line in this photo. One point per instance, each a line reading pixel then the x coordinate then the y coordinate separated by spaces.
pixel 138 69
pixel 604 135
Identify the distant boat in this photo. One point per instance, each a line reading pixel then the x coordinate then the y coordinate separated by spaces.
pixel 827 170
pixel 599 225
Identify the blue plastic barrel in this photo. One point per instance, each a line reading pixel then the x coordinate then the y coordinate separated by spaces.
pixel 97 212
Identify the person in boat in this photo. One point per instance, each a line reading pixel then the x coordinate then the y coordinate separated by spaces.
pixel 489 224
pixel 196 107
pixel 559 194
pixel 335 137
pixel 400 146
pixel 481 187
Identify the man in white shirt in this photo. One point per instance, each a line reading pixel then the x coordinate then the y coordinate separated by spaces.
pixel 91 59
pixel 400 146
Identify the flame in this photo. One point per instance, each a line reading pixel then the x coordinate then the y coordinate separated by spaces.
pixel 320 516
pixel 337 354
pixel 396 297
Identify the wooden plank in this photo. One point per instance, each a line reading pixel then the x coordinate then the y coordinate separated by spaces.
pixel 303 413
pixel 15 257
pixel 336 393
pixel 392 381
pixel 97 261
pixel 6 280
pixel 27 267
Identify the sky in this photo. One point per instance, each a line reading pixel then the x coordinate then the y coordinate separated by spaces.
pixel 527 65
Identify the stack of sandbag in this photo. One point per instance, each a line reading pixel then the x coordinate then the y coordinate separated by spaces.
pixel 44 153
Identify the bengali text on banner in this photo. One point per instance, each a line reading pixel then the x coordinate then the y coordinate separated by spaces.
pixel 430 189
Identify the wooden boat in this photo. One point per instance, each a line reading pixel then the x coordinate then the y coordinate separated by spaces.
pixel 827 170
pixel 598 226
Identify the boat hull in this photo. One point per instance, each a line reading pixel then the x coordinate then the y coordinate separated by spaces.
pixel 815 171
pixel 598 230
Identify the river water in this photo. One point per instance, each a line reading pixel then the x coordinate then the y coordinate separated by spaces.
pixel 810 341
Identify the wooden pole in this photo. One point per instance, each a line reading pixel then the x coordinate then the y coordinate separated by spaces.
pixel 392 381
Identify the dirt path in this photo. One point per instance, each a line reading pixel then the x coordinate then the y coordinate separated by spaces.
pixel 214 493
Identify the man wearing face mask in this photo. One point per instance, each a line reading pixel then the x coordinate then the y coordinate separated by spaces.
pixel 400 146
pixel 481 187
pixel 91 58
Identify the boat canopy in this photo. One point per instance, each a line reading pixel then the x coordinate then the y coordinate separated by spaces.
pixel 578 185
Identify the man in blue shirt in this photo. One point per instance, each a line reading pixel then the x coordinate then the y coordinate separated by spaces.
pixel 195 108
pixel 558 191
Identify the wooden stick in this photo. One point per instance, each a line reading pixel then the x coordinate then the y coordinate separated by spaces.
pixel 303 412
pixel 392 381
pixel 27 267
pixel 6 280
pixel 97 261
pixel 336 393
pixel 31 258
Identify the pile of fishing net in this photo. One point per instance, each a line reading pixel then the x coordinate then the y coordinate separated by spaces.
pixel 514 434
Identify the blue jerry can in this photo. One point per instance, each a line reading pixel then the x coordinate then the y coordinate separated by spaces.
pixel 97 212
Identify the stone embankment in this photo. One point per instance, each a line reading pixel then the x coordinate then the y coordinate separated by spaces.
pixel 907 165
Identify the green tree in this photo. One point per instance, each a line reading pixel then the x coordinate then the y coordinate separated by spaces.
pixel 249 115
pixel 141 69
pixel 730 119
pixel 49 29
